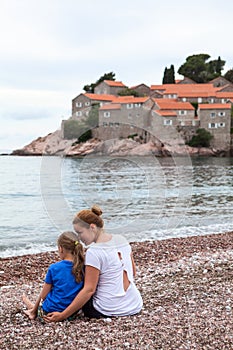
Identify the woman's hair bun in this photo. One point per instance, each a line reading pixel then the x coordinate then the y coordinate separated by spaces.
pixel 96 210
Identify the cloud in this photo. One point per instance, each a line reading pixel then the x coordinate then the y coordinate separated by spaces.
pixel 51 49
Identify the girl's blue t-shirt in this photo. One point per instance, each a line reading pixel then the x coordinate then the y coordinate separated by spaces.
pixel 64 287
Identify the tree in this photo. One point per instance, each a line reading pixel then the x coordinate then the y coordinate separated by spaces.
pixel 229 75
pixel 198 69
pixel 82 129
pixel 93 117
pixel 73 129
pixel 107 76
pixel 169 75
pixel 128 92
pixel 201 139
pixel 219 65
pixel 165 76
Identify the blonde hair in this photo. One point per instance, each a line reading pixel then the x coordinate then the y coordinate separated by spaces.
pixel 69 241
pixel 89 216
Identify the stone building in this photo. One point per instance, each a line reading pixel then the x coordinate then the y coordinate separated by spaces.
pixel 166 110
pixel 216 118
pixel 124 117
pixel 142 89
pixel 109 87
pixel 82 103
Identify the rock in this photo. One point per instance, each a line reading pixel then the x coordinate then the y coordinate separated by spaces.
pixel 54 144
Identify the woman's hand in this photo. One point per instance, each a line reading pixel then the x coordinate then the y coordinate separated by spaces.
pixel 53 317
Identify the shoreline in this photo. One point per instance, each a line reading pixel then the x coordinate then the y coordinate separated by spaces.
pixel 187 289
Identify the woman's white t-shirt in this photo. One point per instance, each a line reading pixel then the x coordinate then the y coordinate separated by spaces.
pixel 110 297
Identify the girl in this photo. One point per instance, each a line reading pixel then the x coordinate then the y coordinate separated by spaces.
pixel 109 288
pixel 63 280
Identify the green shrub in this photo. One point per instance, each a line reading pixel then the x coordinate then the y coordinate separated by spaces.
pixel 128 92
pixel 71 129
pixel 132 136
pixel 74 129
pixel 201 139
pixel 87 135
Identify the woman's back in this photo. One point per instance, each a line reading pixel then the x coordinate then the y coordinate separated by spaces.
pixel 113 260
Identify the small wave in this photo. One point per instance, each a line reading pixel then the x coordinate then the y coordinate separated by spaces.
pixel 32 249
pixel 186 231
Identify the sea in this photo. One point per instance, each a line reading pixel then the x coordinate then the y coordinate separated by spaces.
pixel 142 198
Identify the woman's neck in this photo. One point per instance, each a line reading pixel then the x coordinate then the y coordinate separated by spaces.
pixel 102 236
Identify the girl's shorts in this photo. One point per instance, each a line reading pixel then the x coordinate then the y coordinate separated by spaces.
pixel 41 313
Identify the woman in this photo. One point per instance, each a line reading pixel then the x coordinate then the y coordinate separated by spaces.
pixel 109 288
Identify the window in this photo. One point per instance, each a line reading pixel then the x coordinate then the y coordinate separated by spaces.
pixel 129 105
pixel 117 125
pixel 129 116
pixel 184 99
pixel 224 100
pixel 221 125
pixel 78 104
pixel 171 96
pixel 87 103
pixel 212 114
pixel 213 125
pixel 167 122
pixel 199 100
pixel 105 124
pixel 138 115
pixel 107 114
pixel 221 114
pixel 111 124
pixel 182 112
pixel 78 114
pixel 211 100
pixel 137 105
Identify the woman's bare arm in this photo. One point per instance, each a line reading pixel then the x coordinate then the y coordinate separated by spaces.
pixel 133 265
pixel 90 284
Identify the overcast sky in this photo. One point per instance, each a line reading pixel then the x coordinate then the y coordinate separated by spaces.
pixel 51 48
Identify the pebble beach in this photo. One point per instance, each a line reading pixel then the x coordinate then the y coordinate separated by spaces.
pixel 186 286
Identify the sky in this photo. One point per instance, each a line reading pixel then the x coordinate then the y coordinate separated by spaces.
pixel 50 49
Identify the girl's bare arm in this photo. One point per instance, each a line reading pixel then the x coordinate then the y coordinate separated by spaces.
pixel 45 290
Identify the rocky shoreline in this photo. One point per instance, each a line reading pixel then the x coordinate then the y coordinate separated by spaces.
pixel 186 285
pixel 54 145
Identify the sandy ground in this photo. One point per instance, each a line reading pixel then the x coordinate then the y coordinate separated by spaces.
pixel 187 289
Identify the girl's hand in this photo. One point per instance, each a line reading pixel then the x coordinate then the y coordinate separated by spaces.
pixel 53 317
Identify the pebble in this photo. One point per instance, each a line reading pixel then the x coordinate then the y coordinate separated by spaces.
pixel 186 286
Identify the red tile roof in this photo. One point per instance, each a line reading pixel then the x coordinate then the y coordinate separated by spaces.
pixel 195 94
pixel 226 94
pixel 130 99
pixel 102 97
pixel 166 103
pixel 166 113
pixel 214 106
pixel 177 88
pixel 111 106
pixel 114 83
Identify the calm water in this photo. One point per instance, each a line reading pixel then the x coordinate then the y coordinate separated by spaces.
pixel 142 198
